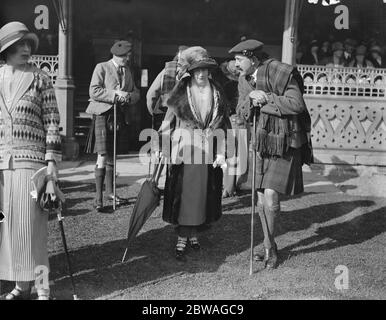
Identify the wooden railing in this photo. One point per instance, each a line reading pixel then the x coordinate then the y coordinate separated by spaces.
pixel 348 112
pixel 49 64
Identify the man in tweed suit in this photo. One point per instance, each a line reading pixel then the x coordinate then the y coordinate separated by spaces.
pixel 112 82
pixel 274 90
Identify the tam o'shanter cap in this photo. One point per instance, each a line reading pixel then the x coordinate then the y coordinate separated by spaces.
pixel 15 31
pixel 247 47
pixel 121 48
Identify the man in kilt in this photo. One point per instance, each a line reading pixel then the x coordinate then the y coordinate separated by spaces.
pixel 112 82
pixel 273 90
pixel 161 86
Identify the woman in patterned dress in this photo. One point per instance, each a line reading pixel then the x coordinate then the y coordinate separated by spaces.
pixel 29 140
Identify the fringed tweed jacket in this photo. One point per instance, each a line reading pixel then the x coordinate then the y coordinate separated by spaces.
pixel 29 123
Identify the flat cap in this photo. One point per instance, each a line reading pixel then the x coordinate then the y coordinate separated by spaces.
pixel 247 47
pixel 121 48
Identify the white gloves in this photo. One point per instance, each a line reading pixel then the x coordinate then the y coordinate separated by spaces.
pixel 220 162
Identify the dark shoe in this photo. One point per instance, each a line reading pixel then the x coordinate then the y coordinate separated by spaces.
pixel 194 244
pixel 118 200
pixel 227 194
pixel 181 249
pixel 259 256
pixel 271 259
pixel 98 206
pixel 17 294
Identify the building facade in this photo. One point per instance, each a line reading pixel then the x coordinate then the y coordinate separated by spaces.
pixel 157 28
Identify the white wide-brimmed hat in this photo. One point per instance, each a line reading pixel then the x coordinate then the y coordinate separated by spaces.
pixel 14 31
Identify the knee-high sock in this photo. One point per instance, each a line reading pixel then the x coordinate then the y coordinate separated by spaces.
pixel 109 179
pixel 271 214
pixel 264 225
pixel 99 179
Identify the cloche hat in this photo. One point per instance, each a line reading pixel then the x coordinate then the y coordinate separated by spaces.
pixel 15 31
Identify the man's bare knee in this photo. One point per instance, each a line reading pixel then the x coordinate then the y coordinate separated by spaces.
pixel 260 198
pixel 271 197
pixel 101 161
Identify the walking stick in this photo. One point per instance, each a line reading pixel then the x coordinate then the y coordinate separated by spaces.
pixel 253 189
pixel 152 130
pixel 115 156
pixel 60 219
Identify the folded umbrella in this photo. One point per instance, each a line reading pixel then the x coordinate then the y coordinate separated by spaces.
pixel 147 200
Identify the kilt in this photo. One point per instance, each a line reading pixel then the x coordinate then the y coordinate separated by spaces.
pixel 104 131
pixel 283 175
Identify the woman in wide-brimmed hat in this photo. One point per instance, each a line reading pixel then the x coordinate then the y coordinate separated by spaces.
pixel 196 112
pixel 29 140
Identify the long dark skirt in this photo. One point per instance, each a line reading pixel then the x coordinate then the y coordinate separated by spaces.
pixel 185 202
pixel 283 175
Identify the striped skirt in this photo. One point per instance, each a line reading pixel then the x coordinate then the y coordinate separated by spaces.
pixel 23 233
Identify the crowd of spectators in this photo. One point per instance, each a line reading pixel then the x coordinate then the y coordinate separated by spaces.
pixel 350 53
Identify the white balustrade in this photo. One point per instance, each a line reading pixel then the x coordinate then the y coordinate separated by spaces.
pixel 49 64
pixel 343 81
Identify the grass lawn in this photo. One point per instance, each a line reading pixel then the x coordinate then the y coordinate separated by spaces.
pixel 318 232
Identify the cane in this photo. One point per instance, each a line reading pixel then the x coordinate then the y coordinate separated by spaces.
pixel 56 205
pixel 253 188
pixel 60 219
pixel 115 156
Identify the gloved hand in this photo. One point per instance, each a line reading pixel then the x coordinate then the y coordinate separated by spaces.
pixel 52 169
pixel 220 162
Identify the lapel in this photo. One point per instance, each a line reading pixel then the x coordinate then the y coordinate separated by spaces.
pixel 4 112
pixel 3 107
pixel 25 83
pixel 128 79
pixel 23 86
pixel 247 83
pixel 112 70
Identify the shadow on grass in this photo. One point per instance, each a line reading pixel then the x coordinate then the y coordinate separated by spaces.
pixel 243 200
pixel 151 255
pixel 355 231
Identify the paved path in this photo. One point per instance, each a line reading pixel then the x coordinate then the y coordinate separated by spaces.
pixel 131 170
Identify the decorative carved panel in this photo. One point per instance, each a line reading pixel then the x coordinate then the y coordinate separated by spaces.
pixel 347 124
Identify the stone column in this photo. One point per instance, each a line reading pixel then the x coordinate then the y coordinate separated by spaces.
pixel 64 86
pixel 292 8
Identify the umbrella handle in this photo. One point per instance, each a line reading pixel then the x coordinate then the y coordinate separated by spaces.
pixel 157 170
pixel 160 168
